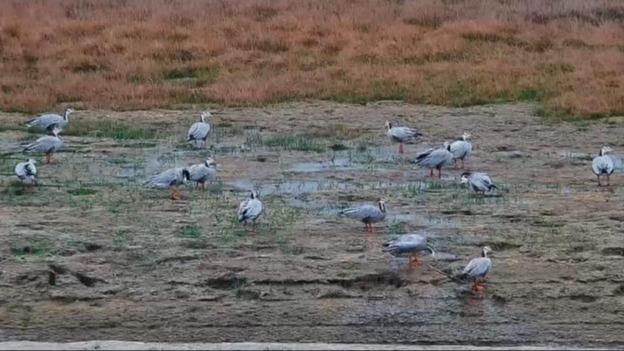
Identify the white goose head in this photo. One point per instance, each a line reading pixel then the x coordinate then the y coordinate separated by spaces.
pixel 253 194
pixel 205 115
pixel 67 112
pixel 465 177
pixel 382 206
pixel 605 150
pixel 210 162
pixel 388 125
pixel 466 136
pixel 486 250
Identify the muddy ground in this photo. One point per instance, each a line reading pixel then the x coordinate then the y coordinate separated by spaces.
pixel 92 255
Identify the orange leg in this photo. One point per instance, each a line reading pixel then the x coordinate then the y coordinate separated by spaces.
pixel 175 194
pixel 431 173
pixel 401 151
pixel 608 181
pixel 462 166
pixel 476 287
pixel 440 173
pixel 599 181
pixel 48 158
pixel 413 261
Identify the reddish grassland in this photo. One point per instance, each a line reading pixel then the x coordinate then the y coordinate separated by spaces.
pixel 136 54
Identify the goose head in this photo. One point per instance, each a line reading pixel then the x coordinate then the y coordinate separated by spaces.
pixel 210 162
pixel 466 136
pixel 447 145
pixel 205 115
pixel 486 250
pixel 67 112
pixel 31 161
pixel 253 194
pixel 605 150
pixel 388 125
pixel 465 177
pixel 382 205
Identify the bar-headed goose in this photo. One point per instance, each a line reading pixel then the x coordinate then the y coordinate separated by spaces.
pixel 171 178
pixel 401 135
pixel 198 133
pixel 479 182
pixel 49 120
pixel 603 165
pixel 250 209
pixel 27 173
pixel 203 172
pixel 435 158
pixel 478 268
pixel 461 148
pixel 48 144
pixel 367 214
pixel 408 245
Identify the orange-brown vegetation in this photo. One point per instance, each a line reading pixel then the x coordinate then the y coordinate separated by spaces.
pixel 127 54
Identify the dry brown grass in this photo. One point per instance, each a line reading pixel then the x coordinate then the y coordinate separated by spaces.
pixel 127 54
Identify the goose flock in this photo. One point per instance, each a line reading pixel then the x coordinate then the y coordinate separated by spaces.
pixel 251 209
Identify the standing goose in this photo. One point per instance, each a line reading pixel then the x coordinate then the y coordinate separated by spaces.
pixel 171 179
pixel 435 158
pixel 250 209
pixel 48 144
pixel 479 182
pixel 203 172
pixel 368 214
pixel 603 165
pixel 27 173
pixel 199 130
pixel 410 245
pixel 461 148
pixel 478 268
pixel 49 120
pixel 401 135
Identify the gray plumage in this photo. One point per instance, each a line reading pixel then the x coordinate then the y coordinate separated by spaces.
pixel 401 134
pixel 49 120
pixel 479 182
pixel 27 172
pixel 367 214
pixel 435 158
pixel 203 172
pixel 199 130
pixel 48 144
pixel 478 267
pixel 603 165
pixel 461 148
pixel 407 244
pixel 169 178
pixel 250 209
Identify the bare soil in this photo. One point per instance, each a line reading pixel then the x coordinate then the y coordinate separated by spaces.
pixel 92 255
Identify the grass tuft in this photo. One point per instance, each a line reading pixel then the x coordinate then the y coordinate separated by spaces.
pixel 109 129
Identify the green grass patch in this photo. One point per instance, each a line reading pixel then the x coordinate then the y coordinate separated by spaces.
pixel 34 248
pixel 198 76
pixel 109 129
pixel 82 191
pixel 190 231
pixel 299 142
